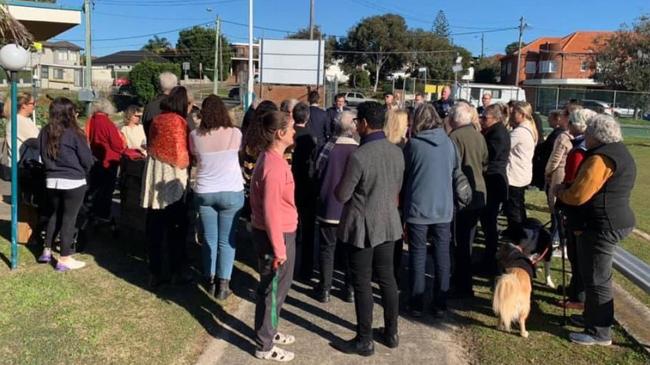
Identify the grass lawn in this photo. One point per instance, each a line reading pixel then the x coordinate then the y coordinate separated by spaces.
pixel 102 314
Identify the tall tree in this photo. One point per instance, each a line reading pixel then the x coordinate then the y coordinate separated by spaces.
pixel 376 42
pixel 157 45
pixel 436 54
pixel 441 25
pixel 513 47
pixel 487 70
pixel 303 33
pixel 330 41
pixel 196 46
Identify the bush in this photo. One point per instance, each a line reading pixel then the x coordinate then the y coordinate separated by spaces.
pixel 144 78
pixel 359 79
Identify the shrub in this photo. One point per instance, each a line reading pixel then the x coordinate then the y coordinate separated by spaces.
pixel 144 78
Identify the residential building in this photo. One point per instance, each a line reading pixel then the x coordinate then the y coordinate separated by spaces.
pixel 239 62
pixel 57 65
pixel 113 69
pixel 556 61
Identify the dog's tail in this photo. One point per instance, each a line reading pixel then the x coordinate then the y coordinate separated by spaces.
pixel 506 297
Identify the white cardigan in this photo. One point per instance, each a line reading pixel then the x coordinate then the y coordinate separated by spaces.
pixel 520 161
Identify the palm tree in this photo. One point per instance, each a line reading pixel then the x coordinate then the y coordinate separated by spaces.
pixel 13 31
pixel 157 45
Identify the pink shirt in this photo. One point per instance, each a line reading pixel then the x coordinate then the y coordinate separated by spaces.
pixel 273 207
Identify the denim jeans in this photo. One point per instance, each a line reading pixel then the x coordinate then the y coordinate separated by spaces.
pixel 219 213
pixel 417 237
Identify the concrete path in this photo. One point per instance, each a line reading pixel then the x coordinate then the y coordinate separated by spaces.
pixel 317 325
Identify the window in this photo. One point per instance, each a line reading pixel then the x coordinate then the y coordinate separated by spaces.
pixel 62 55
pixel 57 74
pixel 73 57
pixel 509 68
pixel 548 67
pixel 496 93
pixel 531 67
pixel 475 93
pixel 45 72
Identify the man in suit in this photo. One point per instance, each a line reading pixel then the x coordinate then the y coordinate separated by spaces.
pixel 486 100
pixel 319 121
pixel 370 225
pixel 340 105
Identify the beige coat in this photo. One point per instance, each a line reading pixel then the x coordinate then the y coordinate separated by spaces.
pixel 554 170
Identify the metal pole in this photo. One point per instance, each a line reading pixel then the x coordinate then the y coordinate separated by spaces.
pixel 89 66
pixel 215 77
pixel 482 45
pixel 249 90
pixel 311 19
pixel 318 72
pixel 14 171
pixel 521 35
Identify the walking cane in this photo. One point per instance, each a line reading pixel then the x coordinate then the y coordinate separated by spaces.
pixel 561 228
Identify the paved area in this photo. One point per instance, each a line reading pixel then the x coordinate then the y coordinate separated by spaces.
pixel 316 326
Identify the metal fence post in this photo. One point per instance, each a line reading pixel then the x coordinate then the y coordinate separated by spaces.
pixel 614 100
pixel 557 98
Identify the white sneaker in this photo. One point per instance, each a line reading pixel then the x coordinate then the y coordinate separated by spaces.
pixel 70 264
pixel 275 354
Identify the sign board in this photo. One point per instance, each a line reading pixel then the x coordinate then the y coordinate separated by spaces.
pixel 186 66
pixel 430 89
pixel 292 62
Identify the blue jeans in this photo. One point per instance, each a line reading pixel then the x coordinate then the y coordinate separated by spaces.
pixel 219 213
pixel 417 240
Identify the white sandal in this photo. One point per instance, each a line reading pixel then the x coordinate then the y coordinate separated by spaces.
pixel 275 354
pixel 282 339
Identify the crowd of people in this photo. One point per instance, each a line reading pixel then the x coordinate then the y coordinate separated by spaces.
pixel 359 182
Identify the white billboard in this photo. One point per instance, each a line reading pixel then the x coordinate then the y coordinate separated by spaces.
pixel 292 62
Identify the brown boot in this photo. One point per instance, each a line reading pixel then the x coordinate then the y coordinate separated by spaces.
pixel 224 289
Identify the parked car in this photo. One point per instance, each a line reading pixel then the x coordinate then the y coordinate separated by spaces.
pixel 355 98
pixel 603 107
pixel 234 93
pixel 646 116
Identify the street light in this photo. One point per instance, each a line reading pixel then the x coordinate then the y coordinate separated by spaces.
pixel 14 58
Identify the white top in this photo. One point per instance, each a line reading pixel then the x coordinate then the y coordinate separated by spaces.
pixel 162 184
pixel 26 130
pixel 217 156
pixel 135 137
pixel 520 162
pixel 64 184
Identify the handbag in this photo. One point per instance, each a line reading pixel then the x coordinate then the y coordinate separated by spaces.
pixel 462 188
pixel 5 169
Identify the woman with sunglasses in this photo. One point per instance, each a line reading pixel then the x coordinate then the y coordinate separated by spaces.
pixel 133 131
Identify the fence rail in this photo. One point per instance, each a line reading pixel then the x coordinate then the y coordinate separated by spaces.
pixel 632 268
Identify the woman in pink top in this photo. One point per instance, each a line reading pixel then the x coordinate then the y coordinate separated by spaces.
pixel 219 191
pixel 274 218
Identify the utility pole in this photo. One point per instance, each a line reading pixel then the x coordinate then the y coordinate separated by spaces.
pixel 482 45
pixel 251 71
pixel 217 43
pixel 311 19
pixel 89 67
pixel 522 26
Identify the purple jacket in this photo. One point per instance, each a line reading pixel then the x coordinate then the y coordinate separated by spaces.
pixel 330 167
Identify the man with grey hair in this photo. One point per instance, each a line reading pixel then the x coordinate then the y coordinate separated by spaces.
pixel 473 154
pixel 167 81
pixel 486 100
pixel 444 104
pixel 601 193
pixel 329 170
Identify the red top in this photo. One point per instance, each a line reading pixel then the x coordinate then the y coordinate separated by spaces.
pixel 168 140
pixel 105 140
pixel 273 207
pixel 573 161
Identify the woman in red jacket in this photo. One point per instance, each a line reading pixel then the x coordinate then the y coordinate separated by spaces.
pixel 274 218
pixel 107 145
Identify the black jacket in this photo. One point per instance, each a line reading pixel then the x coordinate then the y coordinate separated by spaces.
pixel 498 144
pixel 74 160
pixel 319 123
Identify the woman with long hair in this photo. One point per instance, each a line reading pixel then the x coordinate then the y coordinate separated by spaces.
pixel 164 188
pixel 396 125
pixel 67 159
pixel 519 170
pixel 219 191
pixel 274 219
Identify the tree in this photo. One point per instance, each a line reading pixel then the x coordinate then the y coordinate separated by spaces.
pixel 374 41
pixel 359 79
pixel 441 25
pixel 196 46
pixel 487 70
pixel 157 45
pixel 330 41
pixel 144 78
pixel 11 30
pixel 436 54
pixel 303 33
pixel 512 48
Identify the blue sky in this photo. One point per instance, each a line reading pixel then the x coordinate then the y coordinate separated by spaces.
pixel 113 19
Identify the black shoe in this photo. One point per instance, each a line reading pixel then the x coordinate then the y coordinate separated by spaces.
pixel 577 320
pixel 224 289
pixel 356 346
pixel 348 295
pixel 461 294
pixel 390 341
pixel 323 296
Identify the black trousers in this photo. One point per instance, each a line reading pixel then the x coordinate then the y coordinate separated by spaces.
pixel 331 252
pixel 264 330
pixel 100 191
pixel 576 287
pixel 465 232
pixel 595 254
pixel 166 230
pixel 306 204
pixel 63 207
pixel 363 263
pixel 497 193
pixel 515 207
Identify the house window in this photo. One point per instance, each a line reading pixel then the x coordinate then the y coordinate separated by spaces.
pixel 57 74
pixel 45 72
pixel 73 57
pixel 531 67
pixel 509 68
pixel 62 55
pixel 548 67
pixel 585 66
